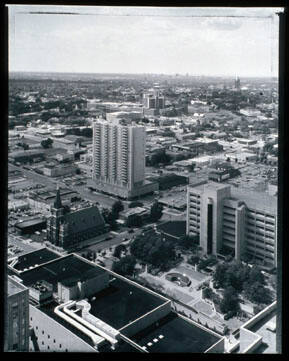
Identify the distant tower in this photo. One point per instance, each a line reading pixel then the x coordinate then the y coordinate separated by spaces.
pixel 154 99
pixel 237 83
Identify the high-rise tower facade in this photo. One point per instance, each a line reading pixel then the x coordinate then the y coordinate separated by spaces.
pixel 119 158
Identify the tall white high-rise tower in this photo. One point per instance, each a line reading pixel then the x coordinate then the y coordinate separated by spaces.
pixel 119 158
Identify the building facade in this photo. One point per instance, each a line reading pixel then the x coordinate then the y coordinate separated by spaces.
pixel 232 221
pixel 67 229
pixel 119 159
pixel 16 317
pixel 77 306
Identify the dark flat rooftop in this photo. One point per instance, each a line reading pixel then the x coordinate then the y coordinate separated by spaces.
pixel 30 222
pixel 174 334
pixel 174 228
pixel 122 303
pixel 122 346
pixel 59 270
pixel 37 257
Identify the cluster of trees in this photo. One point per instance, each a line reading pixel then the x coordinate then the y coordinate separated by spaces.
pixel 156 211
pixel 25 146
pixel 242 278
pixel 125 266
pixel 189 242
pixel 159 157
pixel 110 216
pixel 211 295
pixel 230 301
pixel 205 262
pixel 152 248
pixel 118 250
pixel 47 143
pixel 269 148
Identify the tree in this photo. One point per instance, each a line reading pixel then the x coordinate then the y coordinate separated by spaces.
pixel 207 292
pixel 152 248
pixel 125 266
pixel 257 293
pixel 219 275
pixel 230 301
pixel 25 146
pixel 194 260
pixel 117 207
pixel 47 143
pixel 256 275
pixel 159 157
pixel 109 218
pixel 118 249
pixel 189 242
pixel 192 167
pixel 156 211
pixel 78 171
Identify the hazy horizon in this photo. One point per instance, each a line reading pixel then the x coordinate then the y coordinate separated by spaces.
pixel 222 42
pixel 127 73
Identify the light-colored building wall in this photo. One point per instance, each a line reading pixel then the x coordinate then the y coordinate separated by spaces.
pixel 49 335
pixel 16 317
pixel 118 158
pixel 237 224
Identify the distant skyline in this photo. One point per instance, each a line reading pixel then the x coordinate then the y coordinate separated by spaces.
pixel 199 41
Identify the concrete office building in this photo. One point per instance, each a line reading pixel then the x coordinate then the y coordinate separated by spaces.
pixel 16 317
pixel 229 220
pixel 119 159
pixel 153 101
pixel 77 306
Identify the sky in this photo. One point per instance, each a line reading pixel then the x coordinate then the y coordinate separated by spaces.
pixel 197 41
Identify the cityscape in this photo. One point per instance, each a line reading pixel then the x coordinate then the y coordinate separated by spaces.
pixel 142 204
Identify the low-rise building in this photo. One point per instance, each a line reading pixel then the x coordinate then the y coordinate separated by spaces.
pixel 30 225
pixel 26 156
pixel 59 170
pixel 127 216
pixel 93 309
pixel 42 200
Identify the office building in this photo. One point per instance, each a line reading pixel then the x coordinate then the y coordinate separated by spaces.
pixel 229 220
pixel 77 306
pixel 153 101
pixel 66 229
pixel 119 159
pixel 16 317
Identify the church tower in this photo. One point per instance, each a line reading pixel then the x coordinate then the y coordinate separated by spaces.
pixel 56 218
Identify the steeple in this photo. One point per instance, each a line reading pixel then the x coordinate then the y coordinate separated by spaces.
pixel 57 202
